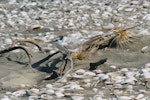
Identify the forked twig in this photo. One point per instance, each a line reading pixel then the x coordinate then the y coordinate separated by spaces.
pixel 17 47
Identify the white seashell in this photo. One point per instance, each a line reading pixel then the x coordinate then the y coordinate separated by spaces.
pixel 80 72
pixel 109 26
pixel 103 76
pixel 128 9
pixel 23 13
pixel 139 97
pixel 12 1
pixel 98 71
pixel 95 90
pixel 129 81
pixel 98 97
pixel 8 41
pixel 11 23
pixel 22 85
pixel 33 98
pixel 49 86
pixel 77 98
pixel 87 80
pixel 49 91
pixel 145 70
pixel 113 75
pixel 146 17
pixel 34 90
pixel 19 93
pixel 147 65
pixel 146 75
pixel 59 94
pixel 89 74
pixel 118 86
pixel 124 98
pixel 124 70
pixel 129 74
pixel 112 66
pixel 52 51
pixel 144 49
pixel 119 79
pixel 129 88
pixel 76 87
pixel 144 32
pixel 87 85
pixel 21 22
pixel 35 27
pixel 43 90
pixel 5 98
pixel 46 97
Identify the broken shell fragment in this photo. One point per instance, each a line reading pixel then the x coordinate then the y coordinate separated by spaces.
pixel 34 27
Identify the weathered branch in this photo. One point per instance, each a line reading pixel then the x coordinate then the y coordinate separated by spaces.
pixel 17 47
pixel 28 41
